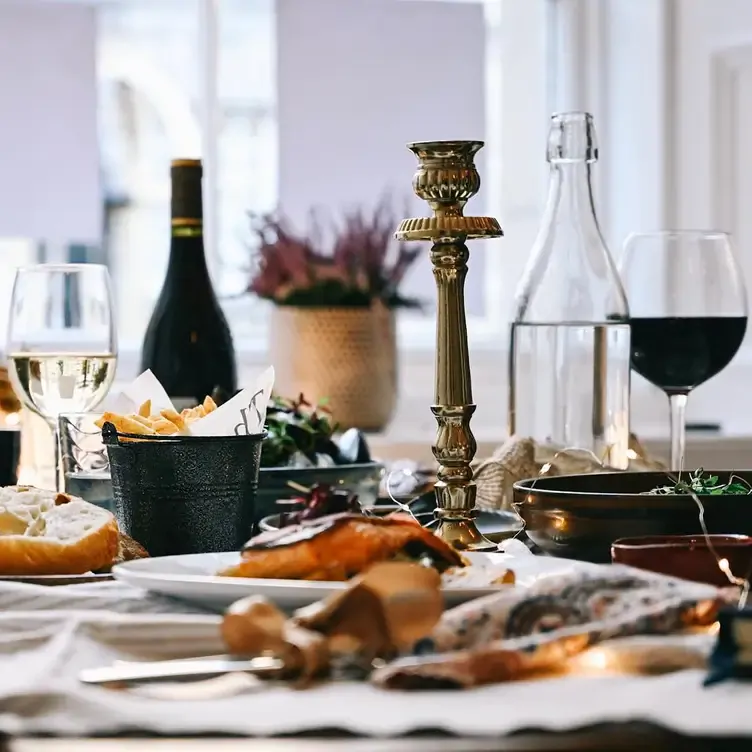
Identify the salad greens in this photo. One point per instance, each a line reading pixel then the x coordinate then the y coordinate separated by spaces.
pixel 319 501
pixel 296 426
pixel 699 483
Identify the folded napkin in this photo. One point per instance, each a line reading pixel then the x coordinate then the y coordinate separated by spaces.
pixel 520 458
pixel 513 633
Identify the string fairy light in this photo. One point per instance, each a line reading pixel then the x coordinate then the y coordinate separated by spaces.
pixel 404 506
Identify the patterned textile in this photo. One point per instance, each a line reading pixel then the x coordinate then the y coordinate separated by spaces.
pixel 513 633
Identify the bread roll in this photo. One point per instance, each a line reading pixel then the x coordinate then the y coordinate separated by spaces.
pixel 43 532
pixel 128 550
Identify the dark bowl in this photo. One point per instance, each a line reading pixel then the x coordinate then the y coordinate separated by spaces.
pixel 272 521
pixel 687 556
pixel 495 525
pixel 363 479
pixel 580 516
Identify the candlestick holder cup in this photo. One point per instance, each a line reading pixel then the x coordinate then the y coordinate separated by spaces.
pixel 446 178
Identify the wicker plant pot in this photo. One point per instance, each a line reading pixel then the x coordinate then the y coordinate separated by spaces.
pixel 345 355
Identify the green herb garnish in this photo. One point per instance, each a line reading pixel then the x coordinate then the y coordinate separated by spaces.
pixel 709 485
pixel 295 425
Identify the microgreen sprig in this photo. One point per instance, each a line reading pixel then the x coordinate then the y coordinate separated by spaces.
pixel 709 485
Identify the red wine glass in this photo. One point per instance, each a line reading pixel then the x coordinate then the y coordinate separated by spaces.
pixel 688 313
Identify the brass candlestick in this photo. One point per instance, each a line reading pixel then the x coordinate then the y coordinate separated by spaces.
pixel 446 179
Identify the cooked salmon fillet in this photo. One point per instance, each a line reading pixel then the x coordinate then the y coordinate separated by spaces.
pixel 338 547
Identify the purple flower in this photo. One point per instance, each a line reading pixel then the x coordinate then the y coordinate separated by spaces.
pixel 364 265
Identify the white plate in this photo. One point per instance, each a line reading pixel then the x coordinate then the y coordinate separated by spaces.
pixel 192 578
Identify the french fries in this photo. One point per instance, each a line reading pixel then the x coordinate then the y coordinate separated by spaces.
pixel 165 423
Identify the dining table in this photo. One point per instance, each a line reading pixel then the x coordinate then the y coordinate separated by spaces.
pixel 50 635
pixel 627 737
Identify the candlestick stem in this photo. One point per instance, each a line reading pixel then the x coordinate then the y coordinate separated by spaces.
pixel 446 178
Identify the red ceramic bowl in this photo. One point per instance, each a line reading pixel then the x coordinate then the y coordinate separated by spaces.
pixel 686 556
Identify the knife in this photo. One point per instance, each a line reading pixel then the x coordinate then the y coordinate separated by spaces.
pixel 192 668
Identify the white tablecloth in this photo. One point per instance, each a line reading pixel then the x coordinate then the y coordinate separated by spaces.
pixel 47 635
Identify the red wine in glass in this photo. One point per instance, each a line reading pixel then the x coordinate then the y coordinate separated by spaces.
pixel 678 353
pixel 688 313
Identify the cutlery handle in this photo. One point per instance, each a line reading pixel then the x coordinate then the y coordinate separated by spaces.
pixel 127 673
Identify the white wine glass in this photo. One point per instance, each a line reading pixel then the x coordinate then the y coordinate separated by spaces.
pixel 61 344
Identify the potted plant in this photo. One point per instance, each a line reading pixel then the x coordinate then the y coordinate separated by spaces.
pixel 332 333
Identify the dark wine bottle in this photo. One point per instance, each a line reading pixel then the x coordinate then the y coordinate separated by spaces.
pixel 188 344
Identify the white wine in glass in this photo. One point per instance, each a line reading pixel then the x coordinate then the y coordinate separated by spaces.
pixel 61 346
pixel 62 382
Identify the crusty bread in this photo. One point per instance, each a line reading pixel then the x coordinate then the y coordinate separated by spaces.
pixel 43 532
pixel 128 550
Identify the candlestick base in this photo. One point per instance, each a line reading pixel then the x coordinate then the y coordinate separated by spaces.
pixel 463 535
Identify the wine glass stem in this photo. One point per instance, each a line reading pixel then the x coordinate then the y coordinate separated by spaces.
pixel 59 477
pixel 678 407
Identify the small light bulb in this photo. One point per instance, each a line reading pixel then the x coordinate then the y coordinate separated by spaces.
pixel 593 661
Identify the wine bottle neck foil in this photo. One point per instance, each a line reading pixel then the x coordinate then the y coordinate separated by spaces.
pixel 186 206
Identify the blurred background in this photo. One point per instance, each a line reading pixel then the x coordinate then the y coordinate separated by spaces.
pixel 303 104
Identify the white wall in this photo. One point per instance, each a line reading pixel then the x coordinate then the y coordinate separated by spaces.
pixel 49 157
pixel 358 80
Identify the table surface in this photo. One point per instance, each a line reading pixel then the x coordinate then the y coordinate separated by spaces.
pixel 625 737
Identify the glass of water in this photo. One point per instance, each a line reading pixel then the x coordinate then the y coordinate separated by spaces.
pixel 83 456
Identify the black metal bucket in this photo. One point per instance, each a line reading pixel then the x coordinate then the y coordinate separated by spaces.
pixel 184 494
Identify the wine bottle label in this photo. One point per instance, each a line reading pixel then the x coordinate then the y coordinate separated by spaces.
pixel 180 230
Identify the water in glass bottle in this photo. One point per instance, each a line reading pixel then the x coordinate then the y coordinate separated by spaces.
pixel 570 338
